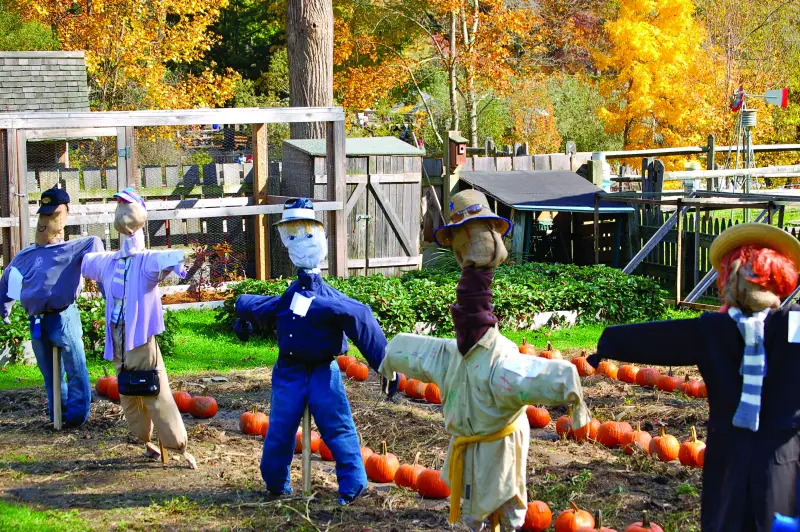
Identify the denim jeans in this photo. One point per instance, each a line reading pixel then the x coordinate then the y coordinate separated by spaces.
pixel 64 331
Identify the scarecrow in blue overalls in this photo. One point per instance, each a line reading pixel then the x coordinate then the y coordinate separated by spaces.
pixel 312 320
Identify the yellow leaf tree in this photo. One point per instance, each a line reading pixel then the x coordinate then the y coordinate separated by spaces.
pixel 656 74
pixel 141 54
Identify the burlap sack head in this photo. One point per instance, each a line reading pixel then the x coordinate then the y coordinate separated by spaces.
pixel 50 227
pixel 478 243
pixel 129 217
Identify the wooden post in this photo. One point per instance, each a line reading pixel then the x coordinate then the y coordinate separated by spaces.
pixel 518 234
pixel 124 152
pixel 56 388
pixel 781 210
pixel 696 276
pixel 596 228
pixel 450 178
pixel 770 209
pixel 337 191
pixel 711 184
pixel 260 190
pixel 679 249
pixel 21 196
pixel 571 237
pixel 306 452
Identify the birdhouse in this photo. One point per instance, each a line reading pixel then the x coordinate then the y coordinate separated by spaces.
pixel 458 150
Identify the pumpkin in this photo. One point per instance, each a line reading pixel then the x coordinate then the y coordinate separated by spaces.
pixel 203 406
pixel 407 474
pixel 251 422
pixel 588 431
pixel 608 368
pixel 572 519
pixel 357 371
pixel 701 457
pixel 550 353
pixel 412 390
pixel 538 417
pixel 564 427
pixel 627 373
pixel 691 387
pixel 366 452
pixel 112 389
pixel 264 428
pixel 102 383
pixel 584 368
pixel 665 446
pixel 401 382
pixel 527 349
pixel 689 452
pixel 325 451
pixel 647 377
pixel 668 382
pixel 598 526
pixel 344 361
pixel 316 441
pixel 644 525
pixel 611 433
pixel 431 485
pixel 382 467
pixel 702 391
pixel 538 517
pixel 636 439
pixel 182 399
pixel 432 394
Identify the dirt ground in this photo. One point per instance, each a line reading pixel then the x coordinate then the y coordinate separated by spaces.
pixel 99 469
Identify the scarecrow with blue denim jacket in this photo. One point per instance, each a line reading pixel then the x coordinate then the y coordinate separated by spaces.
pixel 313 322
pixel 46 279
pixel 749 357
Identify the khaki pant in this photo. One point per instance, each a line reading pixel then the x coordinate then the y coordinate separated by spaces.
pixel 144 412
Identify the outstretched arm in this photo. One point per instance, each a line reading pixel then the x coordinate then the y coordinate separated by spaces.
pixel 665 343
pixel 418 357
pixel 260 310
pixel 10 287
pixel 159 264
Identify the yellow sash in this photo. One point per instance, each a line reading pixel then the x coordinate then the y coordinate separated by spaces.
pixel 457 465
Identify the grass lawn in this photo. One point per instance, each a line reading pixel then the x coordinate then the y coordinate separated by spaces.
pixel 16 517
pixel 202 345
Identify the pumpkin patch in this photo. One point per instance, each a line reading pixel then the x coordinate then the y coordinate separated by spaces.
pixel 382 467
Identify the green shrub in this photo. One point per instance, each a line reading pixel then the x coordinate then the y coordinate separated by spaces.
pixel 597 293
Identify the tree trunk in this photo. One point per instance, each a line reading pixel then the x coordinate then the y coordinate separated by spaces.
pixel 453 82
pixel 309 39
pixel 472 98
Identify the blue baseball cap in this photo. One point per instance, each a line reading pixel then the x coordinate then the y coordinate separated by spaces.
pixel 129 195
pixel 51 199
pixel 297 209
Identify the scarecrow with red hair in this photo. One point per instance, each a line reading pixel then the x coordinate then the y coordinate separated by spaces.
pixel 749 356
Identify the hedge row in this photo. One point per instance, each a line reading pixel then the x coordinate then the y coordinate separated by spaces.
pixel 597 293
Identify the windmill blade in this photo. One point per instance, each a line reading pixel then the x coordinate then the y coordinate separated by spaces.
pixel 778 97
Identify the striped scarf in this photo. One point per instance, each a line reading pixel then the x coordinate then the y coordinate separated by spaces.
pixel 753 368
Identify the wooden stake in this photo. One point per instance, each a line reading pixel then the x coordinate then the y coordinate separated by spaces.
pixel 494 521
pixel 306 452
pixel 56 388
pixel 164 456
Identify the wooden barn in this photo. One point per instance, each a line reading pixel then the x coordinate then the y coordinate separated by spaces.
pixel 383 200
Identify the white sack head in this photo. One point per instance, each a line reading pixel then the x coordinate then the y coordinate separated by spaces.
pixel 306 242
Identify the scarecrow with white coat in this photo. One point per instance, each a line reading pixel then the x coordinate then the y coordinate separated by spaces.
pixel 46 279
pixel 313 322
pixel 134 316
pixel 486 384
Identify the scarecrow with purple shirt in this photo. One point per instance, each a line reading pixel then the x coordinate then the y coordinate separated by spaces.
pixel 134 317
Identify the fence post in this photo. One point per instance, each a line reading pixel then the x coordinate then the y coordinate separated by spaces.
pixel 696 277
pixel 336 163
pixel 260 191
pixel 711 183
pixel 597 228
pixel 679 249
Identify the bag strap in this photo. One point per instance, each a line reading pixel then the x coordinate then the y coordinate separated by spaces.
pixel 127 264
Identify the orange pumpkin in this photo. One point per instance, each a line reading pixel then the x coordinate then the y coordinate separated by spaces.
pixel 344 361
pixel 325 452
pixel 588 431
pixel 564 427
pixel 584 368
pixel 527 349
pixel 691 387
pixel 112 389
pixel 203 406
pixel 668 382
pixel 702 391
pixel 407 474
pixel 412 389
pixel 611 433
pixel 421 389
pixel 647 377
pixel 701 457
pixel 401 382
pixel 251 422
pixel 382 467
pixel 366 452
pixel 538 517
pixel 636 439
pixel 264 428
pixel 182 399
pixel 598 526
pixel 550 353
pixel 538 417
pixel 627 373
pixel 608 368
pixel 572 519
pixel 316 441
pixel 102 383
pixel 432 394
pixel 357 371
pixel 431 486
pixel 644 525
pixel 665 446
pixel 689 452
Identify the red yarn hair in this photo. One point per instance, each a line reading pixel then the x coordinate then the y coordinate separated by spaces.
pixel 771 270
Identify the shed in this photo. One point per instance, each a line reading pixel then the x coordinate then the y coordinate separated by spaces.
pixel 383 200
pixel 553 215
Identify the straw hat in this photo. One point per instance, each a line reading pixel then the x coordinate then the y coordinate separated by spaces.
pixel 758 235
pixel 466 206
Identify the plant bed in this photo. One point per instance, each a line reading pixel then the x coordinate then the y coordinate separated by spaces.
pixel 191 297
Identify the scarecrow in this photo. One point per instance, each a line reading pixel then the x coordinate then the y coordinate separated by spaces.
pixel 46 279
pixel 312 320
pixel 134 317
pixel 749 356
pixel 485 382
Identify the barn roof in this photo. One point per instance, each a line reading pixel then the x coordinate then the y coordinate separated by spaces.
pixel 43 81
pixel 541 190
pixel 359 147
